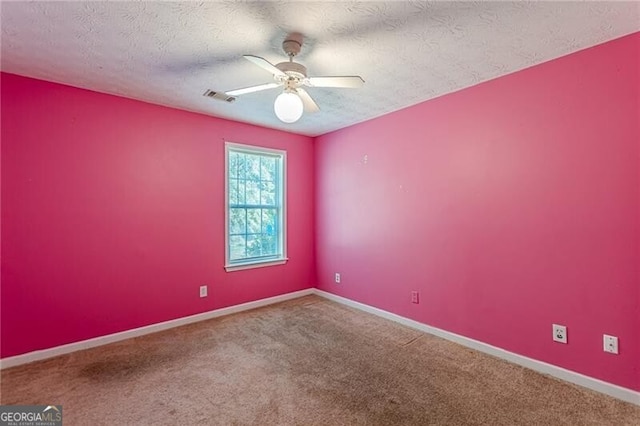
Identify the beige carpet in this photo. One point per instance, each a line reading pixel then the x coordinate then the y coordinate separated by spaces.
pixel 307 361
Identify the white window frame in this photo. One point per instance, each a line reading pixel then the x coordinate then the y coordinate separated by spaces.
pixel 282 202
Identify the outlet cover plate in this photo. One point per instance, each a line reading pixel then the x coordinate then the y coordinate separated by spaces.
pixel 337 278
pixel 559 333
pixel 610 344
pixel 203 291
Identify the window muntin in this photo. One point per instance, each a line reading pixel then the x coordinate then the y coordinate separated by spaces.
pixel 255 210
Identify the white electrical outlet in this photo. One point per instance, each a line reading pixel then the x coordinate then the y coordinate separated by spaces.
pixel 203 291
pixel 337 278
pixel 559 333
pixel 610 344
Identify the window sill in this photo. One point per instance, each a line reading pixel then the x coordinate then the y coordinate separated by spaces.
pixel 251 265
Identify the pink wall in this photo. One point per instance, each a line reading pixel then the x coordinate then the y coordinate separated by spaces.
pixel 510 205
pixel 113 215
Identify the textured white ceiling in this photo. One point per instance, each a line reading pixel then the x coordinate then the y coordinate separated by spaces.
pixel 407 52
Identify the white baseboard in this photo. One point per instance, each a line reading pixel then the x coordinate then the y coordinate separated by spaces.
pixel 542 367
pixel 597 385
pixel 153 328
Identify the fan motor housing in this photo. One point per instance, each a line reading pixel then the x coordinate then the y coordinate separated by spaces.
pixel 289 68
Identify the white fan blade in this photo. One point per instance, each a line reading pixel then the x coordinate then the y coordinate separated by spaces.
pixel 309 104
pixel 352 81
pixel 264 64
pixel 252 89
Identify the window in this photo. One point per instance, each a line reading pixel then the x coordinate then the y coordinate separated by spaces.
pixel 255 207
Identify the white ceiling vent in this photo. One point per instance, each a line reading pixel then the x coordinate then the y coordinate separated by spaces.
pixel 221 96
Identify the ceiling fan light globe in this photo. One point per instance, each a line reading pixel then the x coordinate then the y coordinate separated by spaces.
pixel 288 107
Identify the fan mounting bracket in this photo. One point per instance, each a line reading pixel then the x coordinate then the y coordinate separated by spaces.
pixel 291 46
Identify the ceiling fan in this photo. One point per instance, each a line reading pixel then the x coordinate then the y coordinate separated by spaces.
pixel 292 76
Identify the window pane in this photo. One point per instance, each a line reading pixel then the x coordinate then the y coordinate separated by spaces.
pixel 269 221
pixel 269 245
pixel 254 221
pixel 268 193
pixel 241 192
pixel 254 246
pixel 253 167
pixel 237 221
pixel 268 168
pixel 233 191
pixel 233 164
pixel 237 247
pixel 253 193
pixel 241 166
